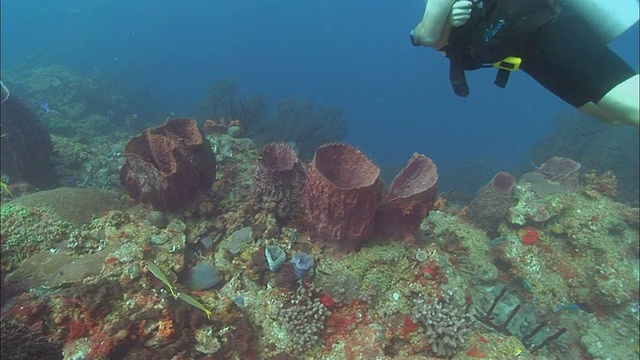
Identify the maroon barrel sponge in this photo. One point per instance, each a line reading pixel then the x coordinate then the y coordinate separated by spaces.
pixel 169 167
pixel 278 180
pixel 409 199
pixel 341 193
pixel 491 204
pixel 503 183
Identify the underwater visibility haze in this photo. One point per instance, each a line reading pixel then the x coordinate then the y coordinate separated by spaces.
pixel 283 179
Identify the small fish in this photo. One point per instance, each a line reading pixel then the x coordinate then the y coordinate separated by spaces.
pixel 497 241
pixel 70 180
pixel 294 236
pixel 157 272
pixel 193 302
pixel 5 187
pixel 44 106
pixel 534 166
pixel 571 307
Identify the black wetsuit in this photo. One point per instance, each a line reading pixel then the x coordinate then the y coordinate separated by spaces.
pixel 556 48
pixel 568 60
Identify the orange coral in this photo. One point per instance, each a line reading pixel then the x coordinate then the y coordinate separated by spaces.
pixel 440 204
pixel 529 235
pixel 215 128
pixel 464 211
pixel 211 127
pixel 166 328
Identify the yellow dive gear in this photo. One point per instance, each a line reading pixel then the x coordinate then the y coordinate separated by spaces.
pixel 505 67
pixel 510 63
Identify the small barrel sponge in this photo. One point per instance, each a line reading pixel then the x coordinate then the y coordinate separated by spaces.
pixel 169 167
pixel 409 199
pixel 275 257
pixel 202 277
pixel 341 193
pixel 278 179
pixel 302 263
pixel 492 202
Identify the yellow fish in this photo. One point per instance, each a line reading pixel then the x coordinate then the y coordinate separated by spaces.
pixel 5 187
pixel 157 272
pixel 193 302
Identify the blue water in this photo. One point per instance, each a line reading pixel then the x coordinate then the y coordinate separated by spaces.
pixel 352 54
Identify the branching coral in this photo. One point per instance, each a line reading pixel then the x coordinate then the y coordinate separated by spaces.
pixel 304 319
pixel 447 321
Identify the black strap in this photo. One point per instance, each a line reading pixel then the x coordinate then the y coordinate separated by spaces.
pixel 457 77
pixel 501 78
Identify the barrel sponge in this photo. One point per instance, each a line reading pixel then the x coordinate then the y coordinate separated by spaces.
pixel 278 179
pixel 169 167
pixel 409 199
pixel 340 196
pixel 492 202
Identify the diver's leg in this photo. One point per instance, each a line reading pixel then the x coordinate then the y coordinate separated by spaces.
pixel 621 104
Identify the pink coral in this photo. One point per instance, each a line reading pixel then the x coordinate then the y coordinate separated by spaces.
pixel 169 167
pixel 409 199
pixel 340 196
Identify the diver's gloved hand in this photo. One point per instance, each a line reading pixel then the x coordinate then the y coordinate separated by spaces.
pixel 460 12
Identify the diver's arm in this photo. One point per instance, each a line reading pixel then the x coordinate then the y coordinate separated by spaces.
pixel 433 30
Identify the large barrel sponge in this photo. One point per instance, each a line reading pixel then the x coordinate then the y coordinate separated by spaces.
pixel 341 193
pixel 170 167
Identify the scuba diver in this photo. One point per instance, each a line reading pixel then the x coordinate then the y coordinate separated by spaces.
pixel 562 44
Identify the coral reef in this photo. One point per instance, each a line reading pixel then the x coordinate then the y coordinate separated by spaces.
pixel 278 180
pixel 73 104
pixel 170 167
pixel 340 196
pixel 409 199
pixel 447 321
pixel 561 170
pixel 26 145
pixel 295 121
pixel 52 270
pixel 77 206
pixel 307 126
pixel 19 343
pixel 568 256
pixel 492 202
pixel 233 127
pixel 303 318
pixel 597 146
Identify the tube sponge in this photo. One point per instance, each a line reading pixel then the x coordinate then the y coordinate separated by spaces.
pixel 275 257
pixel 302 263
